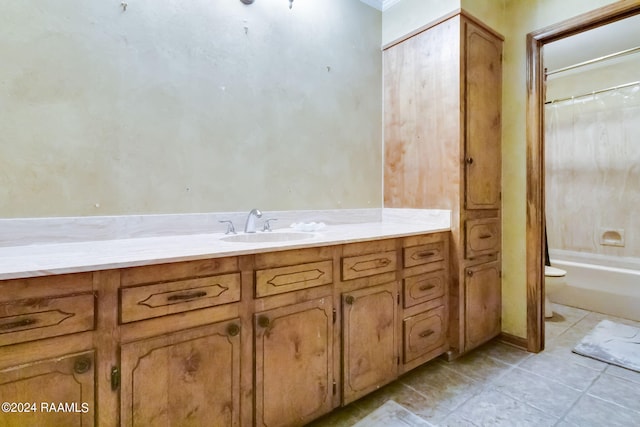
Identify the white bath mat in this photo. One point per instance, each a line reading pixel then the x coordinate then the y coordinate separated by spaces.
pixel 612 343
pixel 391 414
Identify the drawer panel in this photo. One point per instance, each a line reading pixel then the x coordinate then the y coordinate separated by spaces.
pixel 36 318
pixel 425 287
pixel 423 333
pixel 279 280
pixel 368 265
pixel 423 254
pixel 482 237
pixel 160 299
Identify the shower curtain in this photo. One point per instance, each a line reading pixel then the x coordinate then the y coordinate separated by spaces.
pixel 592 181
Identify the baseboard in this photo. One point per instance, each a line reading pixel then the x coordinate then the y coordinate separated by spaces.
pixel 514 341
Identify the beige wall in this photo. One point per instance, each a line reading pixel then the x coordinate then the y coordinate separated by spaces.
pixel 188 106
pixel 408 15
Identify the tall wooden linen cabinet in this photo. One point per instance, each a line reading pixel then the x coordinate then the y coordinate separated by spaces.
pixel 442 108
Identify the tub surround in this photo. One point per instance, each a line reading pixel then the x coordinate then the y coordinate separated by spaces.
pixel 71 245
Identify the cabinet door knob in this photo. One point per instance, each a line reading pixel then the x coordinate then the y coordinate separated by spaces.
pixel 469 160
pixel 469 273
pixel 233 330
pixel 349 299
pixel 263 321
pixel 82 365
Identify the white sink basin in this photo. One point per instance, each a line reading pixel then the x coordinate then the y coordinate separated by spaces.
pixel 266 237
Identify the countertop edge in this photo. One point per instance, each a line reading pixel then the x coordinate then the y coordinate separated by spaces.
pixel 50 266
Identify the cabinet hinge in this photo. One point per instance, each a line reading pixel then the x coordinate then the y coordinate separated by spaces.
pixel 115 378
pixel 334 315
pixel 335 388
pixel 398 298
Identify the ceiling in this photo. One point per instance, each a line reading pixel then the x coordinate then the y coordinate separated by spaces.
pixel 601 41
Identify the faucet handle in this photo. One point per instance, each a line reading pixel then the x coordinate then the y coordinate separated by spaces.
pixel 230 227
pixel 267 225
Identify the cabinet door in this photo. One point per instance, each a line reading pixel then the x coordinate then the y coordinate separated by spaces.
pixel 370 356
pixel 483 63
pixel 483 303
pixel 294 374
pixel 187 378
pixel 56 392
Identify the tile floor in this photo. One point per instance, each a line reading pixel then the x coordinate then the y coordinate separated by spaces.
pixel 498 385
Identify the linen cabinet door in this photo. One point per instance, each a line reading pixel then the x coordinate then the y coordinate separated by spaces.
pixel 185 378
pixel 483 83
pixel 369 334
pixel 483 303
pixel 39 388
pixel 294 363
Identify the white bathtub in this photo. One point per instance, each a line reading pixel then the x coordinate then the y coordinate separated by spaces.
pixel 599 283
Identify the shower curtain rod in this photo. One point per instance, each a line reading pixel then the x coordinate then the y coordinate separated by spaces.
pixel 594 92
pixel 592 61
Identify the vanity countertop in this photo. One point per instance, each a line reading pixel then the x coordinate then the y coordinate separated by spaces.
pixel 60 258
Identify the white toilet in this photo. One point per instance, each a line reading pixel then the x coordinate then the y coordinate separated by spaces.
pixel 554 278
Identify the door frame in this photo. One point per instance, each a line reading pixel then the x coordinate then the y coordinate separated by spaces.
pixel 535 151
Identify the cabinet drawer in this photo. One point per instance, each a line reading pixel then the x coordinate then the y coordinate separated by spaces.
pixel 423 254
pixel 279 280
pixel 159 299
pixel 368 265
pixel 482 237
pixel 423 333
pixel 36 318
pixel 425 287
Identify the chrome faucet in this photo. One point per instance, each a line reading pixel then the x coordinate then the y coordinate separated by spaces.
pixel 250 225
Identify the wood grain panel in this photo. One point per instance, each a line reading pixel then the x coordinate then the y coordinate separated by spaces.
pixel 37 318
pixel 419 289
pixel 189 378
pixel 294 357
pixel 69 379
pixel 177 271
pixel 368 265
pixel 482 237
pixel 422 116
pixel 423 333
pixel 160 299
pixel 370 356
pixel 423 254
pixel 483 87
pixel 292 278
pixel 483 304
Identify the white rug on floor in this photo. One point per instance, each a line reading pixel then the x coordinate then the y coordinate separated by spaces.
pixel 391 414
pixel 612 343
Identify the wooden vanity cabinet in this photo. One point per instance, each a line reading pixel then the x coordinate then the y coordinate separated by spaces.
pixel 38 374
pixel 180 345
pixel 424 299
pixel 442 109
pixel 369 313
pixel 369 352
pixel 294 363
pixel 293 324
pixel 187 378
pixel 268 339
